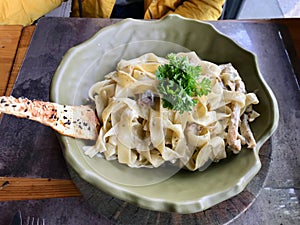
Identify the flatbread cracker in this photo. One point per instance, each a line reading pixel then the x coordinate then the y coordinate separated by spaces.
pixel 74 121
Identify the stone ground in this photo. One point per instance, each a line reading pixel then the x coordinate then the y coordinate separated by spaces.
pixel 253 9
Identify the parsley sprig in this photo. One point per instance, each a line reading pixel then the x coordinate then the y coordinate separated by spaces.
pixel 179 83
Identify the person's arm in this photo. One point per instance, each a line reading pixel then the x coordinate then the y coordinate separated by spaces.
pixel 200 9
pixel 25 12
pixel 196 9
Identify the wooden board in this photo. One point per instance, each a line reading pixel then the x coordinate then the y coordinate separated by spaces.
pixel 9 40
pixel 25 39
pixel 14 188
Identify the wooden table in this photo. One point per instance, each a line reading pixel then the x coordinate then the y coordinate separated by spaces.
pixel 14 41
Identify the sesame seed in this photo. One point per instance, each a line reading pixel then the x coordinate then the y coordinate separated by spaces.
pixel 68 122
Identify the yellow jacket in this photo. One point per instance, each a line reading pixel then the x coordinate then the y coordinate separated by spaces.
pixel 25 12
pixel 155 9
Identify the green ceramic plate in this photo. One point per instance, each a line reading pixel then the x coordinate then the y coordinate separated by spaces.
pixel 163 190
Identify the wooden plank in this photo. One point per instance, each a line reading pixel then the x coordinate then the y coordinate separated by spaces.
pixel 25 39
pixel 290 31
pixel 294 28
pixel 9 40
pixel 14 188
pixel 292 25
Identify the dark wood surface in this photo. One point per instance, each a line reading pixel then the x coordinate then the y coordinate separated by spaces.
pixel 37 155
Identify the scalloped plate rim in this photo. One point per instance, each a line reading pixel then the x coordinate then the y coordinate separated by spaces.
pixel 130 196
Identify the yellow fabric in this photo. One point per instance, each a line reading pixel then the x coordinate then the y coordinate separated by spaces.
pixel 155 9
pixel 25 12
pixel 93 8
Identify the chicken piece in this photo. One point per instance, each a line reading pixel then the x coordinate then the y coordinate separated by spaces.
pixel 232 136
pixel 246 132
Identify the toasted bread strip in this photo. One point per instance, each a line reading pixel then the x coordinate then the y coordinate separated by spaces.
pixel 74 121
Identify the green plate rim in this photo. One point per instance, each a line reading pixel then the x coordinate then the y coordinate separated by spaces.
pixel 120 192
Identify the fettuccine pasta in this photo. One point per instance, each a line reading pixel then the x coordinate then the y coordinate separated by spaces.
pixel 138 131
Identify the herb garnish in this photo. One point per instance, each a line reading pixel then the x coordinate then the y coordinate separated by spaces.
pixel 179 83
